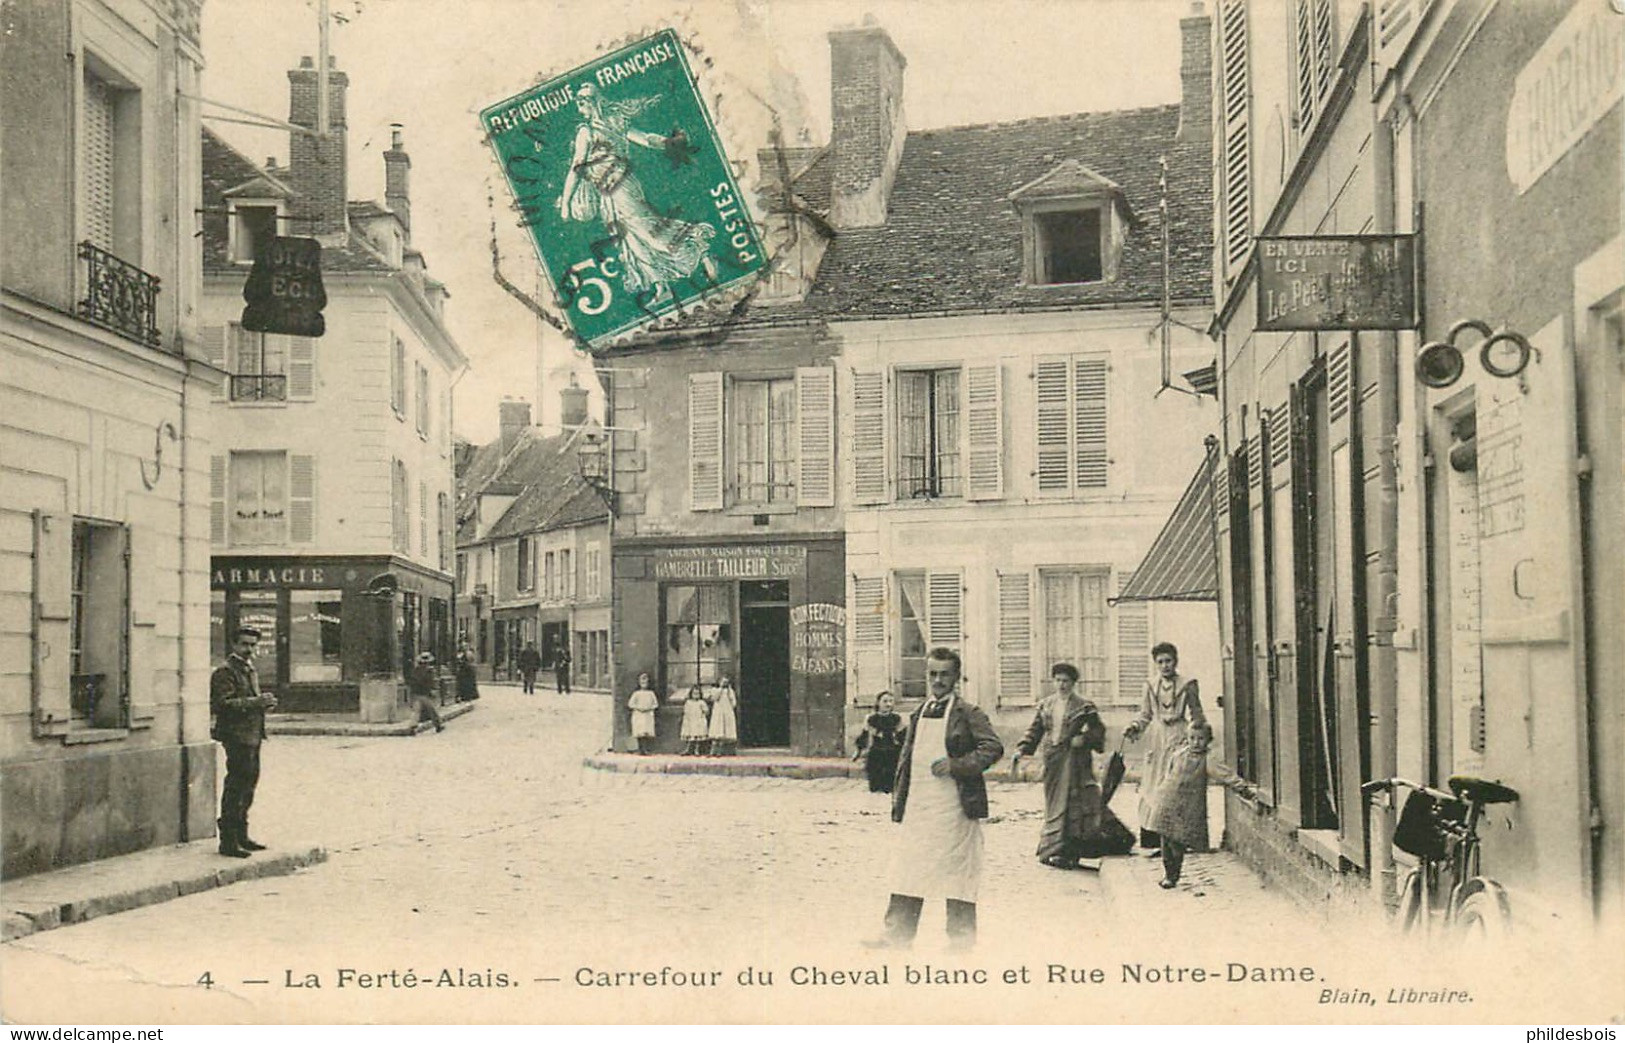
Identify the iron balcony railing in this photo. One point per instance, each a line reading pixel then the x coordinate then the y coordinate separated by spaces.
pixel 259 387
pixel 119 296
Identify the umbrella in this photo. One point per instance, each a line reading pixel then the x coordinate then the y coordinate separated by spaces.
pixel 1114 774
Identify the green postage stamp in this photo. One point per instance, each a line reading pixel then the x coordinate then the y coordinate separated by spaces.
pixel 620 177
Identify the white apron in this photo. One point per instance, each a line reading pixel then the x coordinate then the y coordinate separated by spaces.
pixel 939 850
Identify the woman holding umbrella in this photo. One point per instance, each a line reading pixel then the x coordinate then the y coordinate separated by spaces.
pixel 1067 732
pixel 1173 782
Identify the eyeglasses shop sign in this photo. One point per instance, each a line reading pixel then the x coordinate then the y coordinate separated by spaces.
pixel 1336 282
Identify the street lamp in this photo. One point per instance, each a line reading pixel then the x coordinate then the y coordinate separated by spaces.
pixel 593 463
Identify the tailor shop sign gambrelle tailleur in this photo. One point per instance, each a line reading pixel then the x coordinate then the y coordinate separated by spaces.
pixel 618 173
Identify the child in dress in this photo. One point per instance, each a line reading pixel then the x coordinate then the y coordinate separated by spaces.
pixel 879 743
pixel 724 728
pixel 642 705
pixel 696 729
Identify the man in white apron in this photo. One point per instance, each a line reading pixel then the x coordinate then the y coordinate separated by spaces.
pixel 949 744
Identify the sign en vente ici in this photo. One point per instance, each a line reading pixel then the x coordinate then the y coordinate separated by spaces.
pixel 1336 282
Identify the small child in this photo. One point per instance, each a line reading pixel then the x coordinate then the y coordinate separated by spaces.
pixel 724 719
pixel 642 705
pixel 695 734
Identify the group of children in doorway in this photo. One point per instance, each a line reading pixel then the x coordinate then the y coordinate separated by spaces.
pixel 710 719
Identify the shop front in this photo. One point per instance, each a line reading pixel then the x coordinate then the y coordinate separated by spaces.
pixel 325 622
pixel 768 617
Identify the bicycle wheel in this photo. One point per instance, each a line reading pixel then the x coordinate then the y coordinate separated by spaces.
pixel 1484 916
pixel 1411 913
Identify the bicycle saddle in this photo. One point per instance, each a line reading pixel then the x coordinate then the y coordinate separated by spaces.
pixel 1481 791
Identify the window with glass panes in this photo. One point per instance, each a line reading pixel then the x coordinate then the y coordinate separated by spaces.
pixel 1075 627
pixel 928 410
pixel 764 449
pixel 698 637
pixel 259 498
pixel 912 627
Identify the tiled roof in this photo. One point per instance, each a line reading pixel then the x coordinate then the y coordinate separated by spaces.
pixel 541 472
pixel 952 240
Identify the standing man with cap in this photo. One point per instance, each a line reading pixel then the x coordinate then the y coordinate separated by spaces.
pixel 239 709
pixel 423 683
pixel 940 799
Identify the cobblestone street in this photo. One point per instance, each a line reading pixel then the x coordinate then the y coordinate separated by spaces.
pixel 487 850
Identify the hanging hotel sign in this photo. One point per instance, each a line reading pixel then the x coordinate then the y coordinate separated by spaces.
pixel 744 561
pixel 1575 78
pixel 1336 282
pixel 284 288
pixel 618 173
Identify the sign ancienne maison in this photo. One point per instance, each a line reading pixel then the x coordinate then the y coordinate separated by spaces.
pixel 1336 282
pixel 746 561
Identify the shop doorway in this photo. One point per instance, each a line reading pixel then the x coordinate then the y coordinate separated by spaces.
pixel 764 664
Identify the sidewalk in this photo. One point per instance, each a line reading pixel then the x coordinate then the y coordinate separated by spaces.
pixel 74 894
pixel 778 764
pixel 351 724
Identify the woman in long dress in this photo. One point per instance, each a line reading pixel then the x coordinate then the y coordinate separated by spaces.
pixel 1067 732
pixel 1173 782
pixel 601 185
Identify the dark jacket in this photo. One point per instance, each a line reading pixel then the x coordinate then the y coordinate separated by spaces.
pixel 530 660
pixel 1080 721
pixel 423 680
pixel 973 747
pixel 236 702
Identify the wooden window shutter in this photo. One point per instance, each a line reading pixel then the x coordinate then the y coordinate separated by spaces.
pixel 1089 398
pixel 1280 446
pixel 98 159
pixel 1133 645
pixel 1255 451
pixel 53 609
pixel 815 427
pixel 214 350
pixel 1052 414
pixel 1305 96
pixel 945 601
pixel 984 400
pixel 217 500
pixel 871 672
pixel 705 441
pixel 1397 22
pixel 1235 101
pixel 1339 382
pixel 301 369
pixel 423 517
pixel 869 437
pixel 301 498
pixel 1015 637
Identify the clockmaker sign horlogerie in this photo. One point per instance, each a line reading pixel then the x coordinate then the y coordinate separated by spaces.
pixel 619 175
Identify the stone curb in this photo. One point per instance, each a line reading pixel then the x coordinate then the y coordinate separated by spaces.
pixel 30 916
pixel 778 768
pixel 313 725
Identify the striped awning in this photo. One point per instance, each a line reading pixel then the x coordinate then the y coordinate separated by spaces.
pixel 1180 565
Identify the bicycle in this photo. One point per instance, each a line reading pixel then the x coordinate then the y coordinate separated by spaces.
pixel 1441 830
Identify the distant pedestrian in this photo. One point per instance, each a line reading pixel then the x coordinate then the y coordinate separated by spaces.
pixel 468 686
pixel 696 733
pixel 561 669
pixel 879 743
pixel 239 709
pixel 530 661
pixel 724 726
pixel 642 705
pixel 423 684
pixel 1173 782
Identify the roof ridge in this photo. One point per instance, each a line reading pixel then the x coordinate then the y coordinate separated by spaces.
pixel 258 170
pixel 1052 118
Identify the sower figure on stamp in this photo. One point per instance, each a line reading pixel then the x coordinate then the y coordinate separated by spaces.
pixel 239 709
pixel 940 800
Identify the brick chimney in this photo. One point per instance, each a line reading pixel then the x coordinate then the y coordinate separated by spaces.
pixel 316 167
pixel 1195 78
pixel 867 130
pixel 513 416
pixel 397 171
pixel 573 404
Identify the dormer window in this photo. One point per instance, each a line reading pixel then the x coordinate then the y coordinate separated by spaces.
pixel 252 224
pixel 1073 225
pixel 1068 247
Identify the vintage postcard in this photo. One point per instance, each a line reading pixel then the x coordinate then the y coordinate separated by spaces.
pixel 812 512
